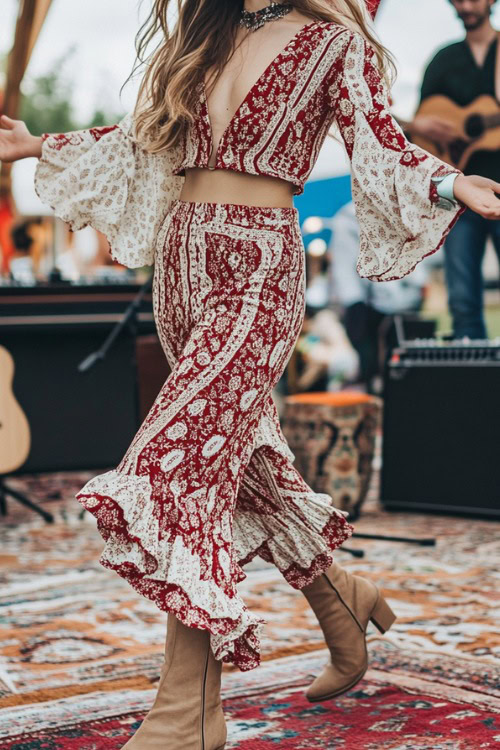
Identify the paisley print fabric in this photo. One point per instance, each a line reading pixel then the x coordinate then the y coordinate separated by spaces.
pixel 402 219
pixel 208 481
pixel 101 177
pixel 327 75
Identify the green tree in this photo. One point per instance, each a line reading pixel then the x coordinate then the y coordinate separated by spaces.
pixel 46 103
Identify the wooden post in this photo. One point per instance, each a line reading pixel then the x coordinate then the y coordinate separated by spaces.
pixel 31 16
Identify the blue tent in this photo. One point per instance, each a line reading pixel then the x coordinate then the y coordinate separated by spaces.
pixel 323 198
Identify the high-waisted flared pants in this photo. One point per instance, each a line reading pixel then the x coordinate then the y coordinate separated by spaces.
pixel 208 481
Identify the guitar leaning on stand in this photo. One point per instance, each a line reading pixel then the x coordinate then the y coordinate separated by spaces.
pixel 15 438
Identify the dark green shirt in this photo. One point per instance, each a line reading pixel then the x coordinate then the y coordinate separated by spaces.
pixel 454 73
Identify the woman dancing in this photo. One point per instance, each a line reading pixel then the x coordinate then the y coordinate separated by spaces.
pixel 200 179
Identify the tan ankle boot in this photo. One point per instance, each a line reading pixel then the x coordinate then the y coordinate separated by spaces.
pixel 187 712
pixel 344 604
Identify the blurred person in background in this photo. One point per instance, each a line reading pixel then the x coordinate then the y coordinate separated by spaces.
pixel 29 239
pixel 462 72
pixel 323 358
pixel 85 254
pixel 329 361
pixel 365 305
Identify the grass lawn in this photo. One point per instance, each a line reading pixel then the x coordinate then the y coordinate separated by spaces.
pixel 436 307
pixel 443 318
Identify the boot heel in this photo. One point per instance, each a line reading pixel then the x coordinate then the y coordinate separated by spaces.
pixel 382 615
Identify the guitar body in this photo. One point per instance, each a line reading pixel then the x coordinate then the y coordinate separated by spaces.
pixel 15 435
pixel 478 125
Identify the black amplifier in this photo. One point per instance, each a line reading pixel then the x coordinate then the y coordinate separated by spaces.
pixel 78 420
pixel 441 439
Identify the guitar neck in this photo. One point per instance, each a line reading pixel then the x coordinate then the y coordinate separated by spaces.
pixel 491 121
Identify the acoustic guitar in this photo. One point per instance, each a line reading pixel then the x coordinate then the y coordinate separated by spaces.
pixel 478 124
pixel 15 435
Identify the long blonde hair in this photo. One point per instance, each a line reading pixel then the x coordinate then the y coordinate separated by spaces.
pixel 203 37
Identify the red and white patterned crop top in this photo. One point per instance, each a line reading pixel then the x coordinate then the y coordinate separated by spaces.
pixel 106 178
pixel 281 123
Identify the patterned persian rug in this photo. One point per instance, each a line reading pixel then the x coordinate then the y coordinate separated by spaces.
pixel 80 651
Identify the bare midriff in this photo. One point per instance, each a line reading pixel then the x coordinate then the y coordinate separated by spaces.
pixel 226 186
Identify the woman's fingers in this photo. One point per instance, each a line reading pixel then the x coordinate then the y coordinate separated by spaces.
pixel 491 202
pixel 479 194
pixel 491 211
pixel 486 204
pixel 486 182
pixel 7 122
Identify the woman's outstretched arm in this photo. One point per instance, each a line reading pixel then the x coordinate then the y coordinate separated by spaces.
pixel 402 216
pixel 100 177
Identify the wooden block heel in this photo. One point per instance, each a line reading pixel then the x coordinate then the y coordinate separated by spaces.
pixel 382 615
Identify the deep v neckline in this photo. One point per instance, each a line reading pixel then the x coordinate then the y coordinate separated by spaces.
pixel 273 62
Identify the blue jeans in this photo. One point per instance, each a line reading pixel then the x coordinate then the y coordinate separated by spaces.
pixel 464 250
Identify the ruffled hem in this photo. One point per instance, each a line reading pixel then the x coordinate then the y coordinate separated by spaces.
pixel 82 222
pixel 168 573
pixel 336 531
pixel 435 225
pixel 242 648
pixel 281 518
pixel 235 632
pixel 401 273
pixel 104 179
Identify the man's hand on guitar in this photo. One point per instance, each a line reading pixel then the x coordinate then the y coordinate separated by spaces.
pixel 16 141
pixel 434 128
pixel 478 193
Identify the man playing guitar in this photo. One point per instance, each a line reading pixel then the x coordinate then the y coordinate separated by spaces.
pixel 462 72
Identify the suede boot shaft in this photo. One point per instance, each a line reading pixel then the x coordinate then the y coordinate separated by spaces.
pixel 187 712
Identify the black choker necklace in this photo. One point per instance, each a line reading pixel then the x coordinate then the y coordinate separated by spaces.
pixel 253 20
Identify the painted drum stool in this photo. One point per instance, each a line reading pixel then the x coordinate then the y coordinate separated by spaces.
pixel 332 436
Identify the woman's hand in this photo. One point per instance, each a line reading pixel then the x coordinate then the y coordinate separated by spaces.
pixel 478 193
pixel 16 141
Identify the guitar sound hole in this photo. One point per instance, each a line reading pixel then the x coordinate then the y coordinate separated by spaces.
pixel 474 126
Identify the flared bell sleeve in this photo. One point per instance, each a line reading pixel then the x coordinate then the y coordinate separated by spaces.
pixel 402 217
pixel 103 178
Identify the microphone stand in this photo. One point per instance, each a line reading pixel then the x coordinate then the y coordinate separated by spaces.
pixel 129 319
